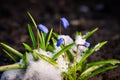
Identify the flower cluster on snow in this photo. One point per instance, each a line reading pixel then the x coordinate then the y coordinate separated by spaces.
pixel 41 69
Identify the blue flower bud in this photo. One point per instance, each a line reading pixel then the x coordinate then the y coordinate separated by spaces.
pixel 87 44
pixel 43 28
pixel 64 22
pixel 59 42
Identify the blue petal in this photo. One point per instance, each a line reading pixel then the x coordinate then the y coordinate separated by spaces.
pixel 87 44
pixel 59 42
pixel 43 28
pixel 64 22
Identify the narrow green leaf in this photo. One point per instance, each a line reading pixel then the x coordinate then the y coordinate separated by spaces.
pixel 63 50
pixel 78 34
pixel 32 19
pixel 49 60
pixel 11 50
pixel 10 56
pixel 10 67
pixel 67 76
pixel 88 53
pixel 27 47
pixel 25 60
pixel 40 38
pixel 54 41
pixel 111 61
pixel 35 56
pixel 32 36
pixel 69 55
pixel 89 34
pixel 50 48
pixel 43 40
pixel 48 38
pixel 55 34
pixel 35 25
pixel 101 70
pixel 89 71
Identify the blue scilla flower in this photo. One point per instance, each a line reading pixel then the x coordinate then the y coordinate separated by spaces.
pixel 64 22
pixel 87 44
pixel 59 42
pixel 43 28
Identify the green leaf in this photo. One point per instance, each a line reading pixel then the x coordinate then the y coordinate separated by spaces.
pixel 27 47
pixel 88 53
pixel 69 55
pixel 10 67
pixel 11 50
pixel 63 50
pixel 35 56
pixel 35 25
pixel 40 38
pixel 43 40
pixel 54 41
pixel 32 19
pixel 101 70
pixel 111 61
pixel 49 60
pixel 25 60
pixel 78 34
pixel 89 34
pixel 67 76
pixel 32 36
pixel 55 34
pixel 87 72
pixel 10 56
pixel 48 38
pixel 50 48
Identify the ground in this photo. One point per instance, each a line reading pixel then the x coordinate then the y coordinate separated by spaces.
pixel 83 15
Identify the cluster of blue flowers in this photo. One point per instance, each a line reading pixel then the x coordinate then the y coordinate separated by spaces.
pixel 65 24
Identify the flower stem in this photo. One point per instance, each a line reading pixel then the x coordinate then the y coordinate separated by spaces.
pixel 64 52
pixel 75 59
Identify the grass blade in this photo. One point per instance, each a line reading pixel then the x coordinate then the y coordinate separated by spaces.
pixel 48 38
pixel 32 20
pixel 101 71
pixel 63 50
pixel 89 34
pixel 88 71
pixel 88 53
pixel 10 67
pixel 111 61
pixel 55 34
pixel 32 36
pixel 49 60
pixel 11 50
pixel 10 56
pixel 35 56
pixel 50 48
pixel 25 60
pixel 27 47
pixel 67 76
pixel 43 40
